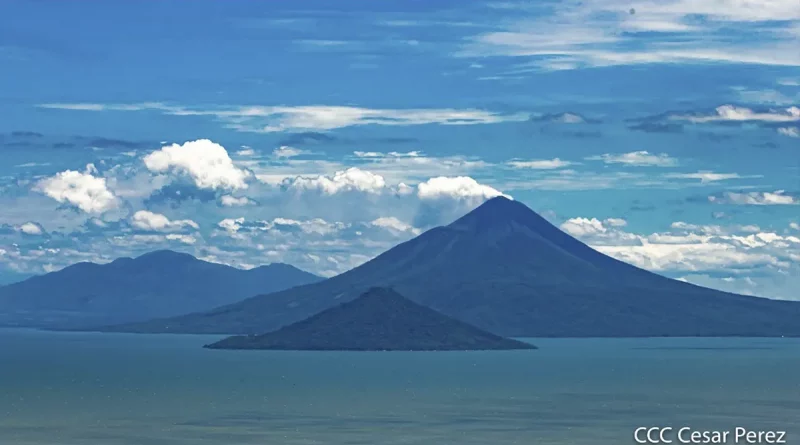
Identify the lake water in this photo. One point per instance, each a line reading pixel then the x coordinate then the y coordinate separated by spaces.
pixel 104 389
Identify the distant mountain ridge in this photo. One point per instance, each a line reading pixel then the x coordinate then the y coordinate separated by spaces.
pixel 157 284
pixel 378 320
pixel 505 269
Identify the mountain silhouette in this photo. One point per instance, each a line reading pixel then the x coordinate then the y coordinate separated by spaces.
pixel 505 269
pixel 378 320
pixel 157 284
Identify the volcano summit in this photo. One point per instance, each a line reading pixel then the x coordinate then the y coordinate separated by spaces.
pixel 505 269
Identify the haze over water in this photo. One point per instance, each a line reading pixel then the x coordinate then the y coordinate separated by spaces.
pixel 102 389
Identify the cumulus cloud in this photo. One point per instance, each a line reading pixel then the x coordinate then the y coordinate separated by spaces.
pixel 542 164
pixel 460 187
pixel 778 197
pixel 792 132
pixel 636 158
pixel 233 201
pixel 205 162
pixel 415 166
pixel 689 256
pixel 285 151
pixel 394 225
pixel 697 249
pixel 318 226
pixel 231 225
pixel 731 113
pixel 580 227
pixel 616 222
pixel 83 190
pixel 31 228
pixel 156 222
pixel 325 247
pixel 185 239
pixel 352 179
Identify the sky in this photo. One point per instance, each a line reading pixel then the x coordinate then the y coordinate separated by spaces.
pixel 663 133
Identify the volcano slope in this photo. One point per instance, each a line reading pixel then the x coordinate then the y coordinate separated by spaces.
pixel 505 269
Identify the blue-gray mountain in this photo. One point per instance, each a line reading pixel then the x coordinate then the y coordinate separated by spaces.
pixel 505 269
pixel 378 320
pixel 154 285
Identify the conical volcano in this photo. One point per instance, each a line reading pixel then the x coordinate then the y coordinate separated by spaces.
pixel 505 269
pixel 378 320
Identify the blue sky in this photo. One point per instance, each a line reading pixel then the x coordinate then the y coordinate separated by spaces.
pixel 664 133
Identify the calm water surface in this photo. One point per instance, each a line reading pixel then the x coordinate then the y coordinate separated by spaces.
pixel 109 389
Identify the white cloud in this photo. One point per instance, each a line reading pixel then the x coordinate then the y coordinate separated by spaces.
pixel 616 222
pixel 232 201
pixel 368 154
pixel 581 227
pixel 105 107
pixel 317 225
pixel 693 256
pixel 569 118
pixel 246 151
pixel 460 187
pixel 352 179
pixel 731 113
pixel 31 228
pixel 391 154
pixel 83 190
pixel 394 167
pixel 707 176
pixel 573 34
pixel 794 226
pixel 204 161
pixel 714 229
pixel 156 222
pixel 779 197
pixel 395 225
pixel 404 189
pixel 137 240
pixel 319 117
pixel 698 249
pixel 231 225
pixel 415 166
pixel 723 10
pixel 268 119
pixel 185 239
pixel 792 132
pixel 285 151
pixel 32 164
pixel 636 158
pixel 543 164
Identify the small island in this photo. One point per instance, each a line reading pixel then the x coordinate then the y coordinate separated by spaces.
pixel 378 320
